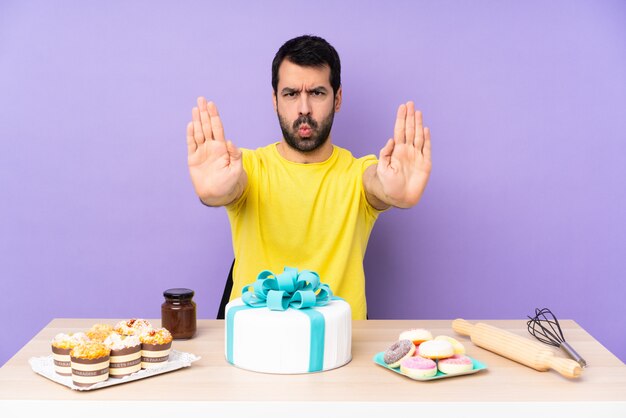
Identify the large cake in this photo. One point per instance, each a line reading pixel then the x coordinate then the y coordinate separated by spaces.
pixel 289 323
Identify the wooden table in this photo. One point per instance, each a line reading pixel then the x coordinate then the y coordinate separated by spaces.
pixel 211 385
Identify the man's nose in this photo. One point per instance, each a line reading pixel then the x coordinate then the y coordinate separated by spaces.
pixel 304 106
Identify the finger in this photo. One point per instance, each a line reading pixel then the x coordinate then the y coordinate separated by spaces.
pixel 410 123
pixel 386 151
pixel 426 149
pixel 191 142
pixel 233 151
pixel 205 120
pixel 216 122
pixel 399 129
pixel 202 103
pixel 197 126
pixel 419 131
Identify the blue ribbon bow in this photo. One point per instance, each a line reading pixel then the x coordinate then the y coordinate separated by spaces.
pixel 289 289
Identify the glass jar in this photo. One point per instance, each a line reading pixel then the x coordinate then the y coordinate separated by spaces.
pixel 178 313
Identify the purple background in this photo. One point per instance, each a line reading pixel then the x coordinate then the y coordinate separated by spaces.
pixel 526 102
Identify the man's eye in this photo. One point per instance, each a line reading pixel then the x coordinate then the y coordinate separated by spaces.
pixel 291 94
pixel 317 93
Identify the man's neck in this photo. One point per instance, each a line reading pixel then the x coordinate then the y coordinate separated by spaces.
pixel 319 155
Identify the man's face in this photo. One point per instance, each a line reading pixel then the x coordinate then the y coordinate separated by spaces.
pixel 305 105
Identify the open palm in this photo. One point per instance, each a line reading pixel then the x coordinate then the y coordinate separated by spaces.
pixel 215 164
pixel 405 161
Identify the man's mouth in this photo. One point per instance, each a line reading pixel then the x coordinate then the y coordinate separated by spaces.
pixel 304 130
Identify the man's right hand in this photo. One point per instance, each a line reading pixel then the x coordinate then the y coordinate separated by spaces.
pixel 215 164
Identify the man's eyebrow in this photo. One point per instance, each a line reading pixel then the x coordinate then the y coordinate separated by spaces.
pixel 289 90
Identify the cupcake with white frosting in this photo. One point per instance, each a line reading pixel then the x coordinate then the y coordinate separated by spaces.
pixel 62 344
pixel 99 332
pixel 133 326
pixel 125 357
pixel 90 363
pixel 155 348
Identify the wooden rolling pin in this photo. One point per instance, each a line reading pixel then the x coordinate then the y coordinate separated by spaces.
pixel 515 347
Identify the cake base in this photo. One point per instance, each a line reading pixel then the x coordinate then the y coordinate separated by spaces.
pixel 293 341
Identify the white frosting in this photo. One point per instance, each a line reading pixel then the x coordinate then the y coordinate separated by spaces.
pixel 279 341
pixel 138 326
pixel 117 342
pixel 75 338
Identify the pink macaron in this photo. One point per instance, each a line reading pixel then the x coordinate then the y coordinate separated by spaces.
pixel 456 364
pixel 418 367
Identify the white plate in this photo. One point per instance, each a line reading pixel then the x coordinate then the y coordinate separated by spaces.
pixel 45 367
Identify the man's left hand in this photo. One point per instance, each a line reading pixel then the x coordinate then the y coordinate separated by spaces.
pixel 404 164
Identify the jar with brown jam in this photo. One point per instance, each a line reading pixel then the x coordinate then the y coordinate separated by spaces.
pixel 178 313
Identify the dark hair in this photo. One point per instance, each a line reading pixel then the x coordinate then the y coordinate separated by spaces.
pixel 308 51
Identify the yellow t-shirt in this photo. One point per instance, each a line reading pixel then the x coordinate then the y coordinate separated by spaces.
pixel 306 216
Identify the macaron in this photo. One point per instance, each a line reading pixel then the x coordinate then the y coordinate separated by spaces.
pixel 455 364
pixel 436 349
pixel 397 352
pixel 417 335
pixel 456 345
pixel 418 367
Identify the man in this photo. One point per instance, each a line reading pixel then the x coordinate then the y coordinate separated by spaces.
pixel 303 202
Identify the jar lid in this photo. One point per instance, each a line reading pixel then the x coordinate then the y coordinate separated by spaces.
pixel 178 293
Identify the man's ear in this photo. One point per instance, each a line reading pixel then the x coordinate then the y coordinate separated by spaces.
pixel 338 99
pixel 274 101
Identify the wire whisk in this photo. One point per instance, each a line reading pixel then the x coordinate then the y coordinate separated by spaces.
pixel 546 328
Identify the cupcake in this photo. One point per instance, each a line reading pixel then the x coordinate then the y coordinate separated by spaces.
pixel 61 346
pixel 90 363
pixel 155 348
pixel 99 332
pixel 133 327
pixel 125 354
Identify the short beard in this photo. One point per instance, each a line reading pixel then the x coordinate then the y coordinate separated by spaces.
pixel 316 140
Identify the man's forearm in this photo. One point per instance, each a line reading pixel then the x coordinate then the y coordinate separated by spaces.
pixel 373 189
pixel 227 199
